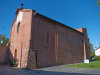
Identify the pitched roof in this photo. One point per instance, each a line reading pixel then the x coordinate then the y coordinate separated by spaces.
pixel 48 19
pixel 58 22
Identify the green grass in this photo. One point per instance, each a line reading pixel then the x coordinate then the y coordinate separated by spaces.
pixel 91 65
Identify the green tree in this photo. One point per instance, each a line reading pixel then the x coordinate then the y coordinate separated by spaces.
pixel 3 40
pixel 98 4
pixel 92 50
pixel 91 47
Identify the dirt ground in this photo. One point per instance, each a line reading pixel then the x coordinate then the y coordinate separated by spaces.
pixel 56 70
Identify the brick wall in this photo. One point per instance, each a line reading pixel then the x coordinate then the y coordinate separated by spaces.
pixel 44 42
pixel 86 39
pixel 69 46
pixel 20 41
pixel 55 44
pixel 32 60
pixel 3 54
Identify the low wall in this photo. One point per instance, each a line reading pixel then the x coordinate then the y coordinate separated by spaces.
pixel 3 54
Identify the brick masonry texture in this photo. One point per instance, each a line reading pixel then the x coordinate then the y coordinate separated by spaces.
pixel 3 54
pixel 43 42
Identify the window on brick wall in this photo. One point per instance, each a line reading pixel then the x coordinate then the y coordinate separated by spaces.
pixel 18 27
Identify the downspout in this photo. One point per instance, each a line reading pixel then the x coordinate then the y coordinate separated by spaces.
pixel 84 50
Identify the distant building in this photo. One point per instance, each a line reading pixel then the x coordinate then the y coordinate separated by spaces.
pixel 97 51
pixel 38 41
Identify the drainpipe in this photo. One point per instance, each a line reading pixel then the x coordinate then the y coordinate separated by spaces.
pixel 84 50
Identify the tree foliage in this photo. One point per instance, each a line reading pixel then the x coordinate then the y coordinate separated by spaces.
pixel 3 40
pixel 93 54
pixel 98 3
pixel 91 47
pixel 97 57
pixel 92 50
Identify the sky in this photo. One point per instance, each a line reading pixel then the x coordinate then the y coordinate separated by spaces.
pixel 73 13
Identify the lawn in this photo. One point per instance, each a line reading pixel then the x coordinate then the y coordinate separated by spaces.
pixel 91 65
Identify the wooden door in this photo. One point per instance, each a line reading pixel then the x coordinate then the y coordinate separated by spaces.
pixel 15 55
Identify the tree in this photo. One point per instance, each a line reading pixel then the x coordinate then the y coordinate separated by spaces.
pixel 92 50
pixel 3 40
pixel 91 47
pixel 98 4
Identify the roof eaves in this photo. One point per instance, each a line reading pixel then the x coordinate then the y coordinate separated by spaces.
pixel 59 23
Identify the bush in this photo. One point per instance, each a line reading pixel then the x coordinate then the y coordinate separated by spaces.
pixel 15 63
pixel 93 54
pixel 97 57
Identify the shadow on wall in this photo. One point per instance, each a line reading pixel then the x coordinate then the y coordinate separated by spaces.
pixel 4 54
pixel 9 57
pixel 6 70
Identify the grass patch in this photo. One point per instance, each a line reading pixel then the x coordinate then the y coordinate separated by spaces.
pixel 91 65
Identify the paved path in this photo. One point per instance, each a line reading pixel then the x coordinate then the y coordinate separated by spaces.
pixel 57 70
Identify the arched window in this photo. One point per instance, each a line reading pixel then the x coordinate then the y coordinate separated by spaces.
pixel 18 27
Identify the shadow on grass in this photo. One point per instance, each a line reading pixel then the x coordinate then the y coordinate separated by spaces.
pixel 6 70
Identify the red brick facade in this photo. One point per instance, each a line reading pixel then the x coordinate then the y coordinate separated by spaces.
pixel 41 41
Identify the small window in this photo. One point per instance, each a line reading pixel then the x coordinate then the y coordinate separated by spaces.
pixel 18 27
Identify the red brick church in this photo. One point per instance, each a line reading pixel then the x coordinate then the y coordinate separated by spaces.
pixel 37 41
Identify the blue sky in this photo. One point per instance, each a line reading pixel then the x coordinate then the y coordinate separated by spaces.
pixel 74 13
